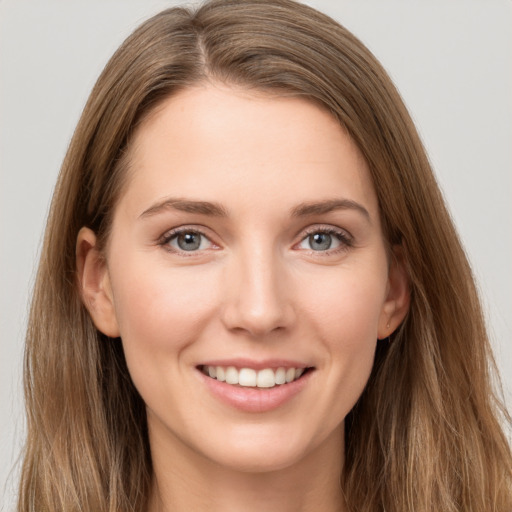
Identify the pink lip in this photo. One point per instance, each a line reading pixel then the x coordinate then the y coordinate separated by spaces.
pixel 254 400
pixel 255 365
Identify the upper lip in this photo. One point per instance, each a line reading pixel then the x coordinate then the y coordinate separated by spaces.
pixel 255 364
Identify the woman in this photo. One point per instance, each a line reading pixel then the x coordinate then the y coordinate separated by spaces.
pixel 251 295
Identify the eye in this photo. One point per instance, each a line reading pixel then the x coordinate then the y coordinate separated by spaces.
pixel 325 240
pixel 186 240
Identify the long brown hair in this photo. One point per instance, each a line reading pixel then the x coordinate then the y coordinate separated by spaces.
pixel 425 435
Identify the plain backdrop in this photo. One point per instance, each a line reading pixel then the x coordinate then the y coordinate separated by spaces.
pixel 452 62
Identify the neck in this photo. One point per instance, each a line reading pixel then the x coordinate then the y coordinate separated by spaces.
pixel 184 480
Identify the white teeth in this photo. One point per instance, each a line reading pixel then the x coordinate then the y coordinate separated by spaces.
pixel 266 378
pixel 290 374
pixel 248 377
pixel 221 374
pixel 231 375
pixel 280 376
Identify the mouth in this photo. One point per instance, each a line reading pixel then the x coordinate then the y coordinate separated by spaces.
pixel 265 378
pixel 255 387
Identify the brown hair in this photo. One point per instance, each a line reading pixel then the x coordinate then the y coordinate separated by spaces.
pixel 425 435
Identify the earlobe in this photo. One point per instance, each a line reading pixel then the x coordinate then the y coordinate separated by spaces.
pixel 398 298
pixel 94 283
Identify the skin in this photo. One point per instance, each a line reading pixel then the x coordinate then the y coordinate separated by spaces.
pixel 255 288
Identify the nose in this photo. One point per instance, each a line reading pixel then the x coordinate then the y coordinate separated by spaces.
pixel 259 302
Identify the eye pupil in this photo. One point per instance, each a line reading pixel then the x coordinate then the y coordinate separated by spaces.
pixel 320 241
pixel 189 241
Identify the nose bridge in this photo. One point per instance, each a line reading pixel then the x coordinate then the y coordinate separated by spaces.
pixel 258 297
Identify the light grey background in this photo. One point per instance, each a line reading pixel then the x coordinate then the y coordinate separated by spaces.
pixel 452 62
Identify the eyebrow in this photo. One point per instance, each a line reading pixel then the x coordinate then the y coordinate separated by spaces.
pixel 217 210
pixel 186 205
pixel 327 206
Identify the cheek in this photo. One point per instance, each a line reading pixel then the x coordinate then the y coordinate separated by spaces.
pixel 161 308
pixel 345 313
pixel 161 312
pixel 347 305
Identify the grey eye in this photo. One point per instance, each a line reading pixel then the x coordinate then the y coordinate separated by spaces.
pixel 320 241
pixel 323 241
pixel 188 241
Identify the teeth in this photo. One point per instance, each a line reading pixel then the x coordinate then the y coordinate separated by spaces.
pixel 231 375
pixel 280 376
pixel 247 377
pixel 266 378
pixel 221 374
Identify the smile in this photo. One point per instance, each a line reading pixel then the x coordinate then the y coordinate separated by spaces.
pixel 249 377
pixel 255 386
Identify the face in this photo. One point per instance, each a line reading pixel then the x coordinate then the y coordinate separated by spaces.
pixel 247 275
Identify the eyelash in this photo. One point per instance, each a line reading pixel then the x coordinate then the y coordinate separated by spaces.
pixel 174 233
pixel 346 241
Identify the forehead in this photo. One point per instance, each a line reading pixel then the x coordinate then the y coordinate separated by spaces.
pixel 220 143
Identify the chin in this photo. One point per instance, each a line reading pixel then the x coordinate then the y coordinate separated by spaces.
pixel 267 452
pixel 258 461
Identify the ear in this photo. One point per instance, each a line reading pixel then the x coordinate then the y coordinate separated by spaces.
pixel 398 297
pixel 94 282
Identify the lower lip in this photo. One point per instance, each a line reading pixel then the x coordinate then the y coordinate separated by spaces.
pixel 256 400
